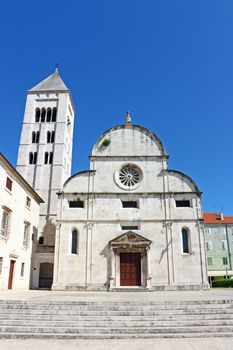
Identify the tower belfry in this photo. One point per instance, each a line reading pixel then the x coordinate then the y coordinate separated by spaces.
pixel 44 160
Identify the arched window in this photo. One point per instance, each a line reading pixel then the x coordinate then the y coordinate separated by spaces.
pixel 43 112
pixel 74 244
pixel 51 158
pixel 49 114
pixel 52 136
pixel 33 137
pixel 54 115
pixel 30 158
pixel 37 115
pixel 185 241
pixel 48 137
pixel 35 158
pixel 46 157
pixel 37 137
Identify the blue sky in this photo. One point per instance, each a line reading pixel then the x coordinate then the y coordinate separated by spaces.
pixel 168 62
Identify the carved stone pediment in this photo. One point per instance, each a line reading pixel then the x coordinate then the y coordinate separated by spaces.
pixel 130 238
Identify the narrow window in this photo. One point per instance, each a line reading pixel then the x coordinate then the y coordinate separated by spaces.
pixel 5 225
pixel 1 264
pixel 52 136
pixel 49 114
pixel 46 157
pixel 37 137
pixel 129 204
pixel 22 269
pixel 54 114
pixel 76 204
pixel 74 246
pixel 51 158
pixel 41 240
pixel 182 203
pixel 37 115
pixel 9 183
pixel 26 235
pixel 225 261
pixel 185 241
pixel 48 137
pixel 210 261
pixel 129 228
pixel 34 157
pixel 224 244
pixel 43 113
pixel 33 137
pixel 208 245
pixel 30 158
pixel 28 202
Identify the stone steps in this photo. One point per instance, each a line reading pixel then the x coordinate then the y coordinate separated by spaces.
pixel 115 320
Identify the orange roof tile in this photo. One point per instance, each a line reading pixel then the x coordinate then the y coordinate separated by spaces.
pixel 214 218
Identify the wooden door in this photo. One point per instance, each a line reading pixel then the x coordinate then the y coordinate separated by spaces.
pixel 46 275
pixel 130 269
pixel 11 274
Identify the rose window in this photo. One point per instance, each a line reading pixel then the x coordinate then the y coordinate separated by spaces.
pixel 129 176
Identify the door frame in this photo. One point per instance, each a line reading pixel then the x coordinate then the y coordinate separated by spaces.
pixel 138 272
pixel 11 273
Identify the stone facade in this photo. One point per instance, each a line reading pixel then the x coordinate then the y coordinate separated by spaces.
pixel 44 160
pixel 129 221
pixel 19 218
pixel 219 245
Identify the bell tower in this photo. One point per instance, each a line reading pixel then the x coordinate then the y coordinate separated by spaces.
pixel 44 158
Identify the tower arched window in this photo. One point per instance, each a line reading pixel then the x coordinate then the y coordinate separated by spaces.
pixel 185 241
pixel 46 157
pixel 37 137
pixel 43 113
pixel 51 158
pixel 52 136
pixel 49 115
pixel 37 115
pixel 54 114
pixel 33 137
pixel 74 243
pixel 32 157
pixel 48 137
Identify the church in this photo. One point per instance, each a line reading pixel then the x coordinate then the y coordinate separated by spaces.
pixel 127 223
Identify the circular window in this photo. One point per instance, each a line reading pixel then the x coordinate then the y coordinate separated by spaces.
pixel 128 177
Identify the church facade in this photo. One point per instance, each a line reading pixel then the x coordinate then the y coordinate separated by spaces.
pixel 129 221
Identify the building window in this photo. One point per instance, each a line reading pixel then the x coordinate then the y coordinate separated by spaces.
pixel 32 157
pixel 1 264
pixel 41 240
pixel 51 158
pixel 76 204
pixel 207 230
pixel 225 261
pixel 46 157
pixel 54 114
pixel 9 183
pixel 49 115
pixel 129 204
pixel 37 115
pixel 209 261
pixel 224 244
pixel 74 245
pixel 5 225
pixel 127 228
pixel 22 269
pixel 208 245
pixel 43 113
pixel 28 202
pixel 50 136
pixel 26 235
pixel 35 136
pixel 185 241
pixel 182 203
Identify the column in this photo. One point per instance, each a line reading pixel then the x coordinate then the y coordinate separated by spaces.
pixel 148 277
pixel 112 277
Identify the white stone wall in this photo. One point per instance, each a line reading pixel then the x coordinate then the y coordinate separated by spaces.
pixel 12 248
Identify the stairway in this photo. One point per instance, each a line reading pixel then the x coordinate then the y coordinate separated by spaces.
pixel 115 320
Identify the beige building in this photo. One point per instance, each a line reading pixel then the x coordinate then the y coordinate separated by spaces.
pixel 19 218
pixel 129 221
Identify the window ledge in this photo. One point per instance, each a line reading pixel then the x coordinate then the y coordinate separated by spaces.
pixel 10 192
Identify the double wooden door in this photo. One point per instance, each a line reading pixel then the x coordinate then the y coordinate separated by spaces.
pixel 130 269
pixel 11 274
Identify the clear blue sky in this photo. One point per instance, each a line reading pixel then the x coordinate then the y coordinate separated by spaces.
pixel 169 62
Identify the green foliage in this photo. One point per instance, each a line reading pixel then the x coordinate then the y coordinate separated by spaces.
pixel 225 283
pixel 106 142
